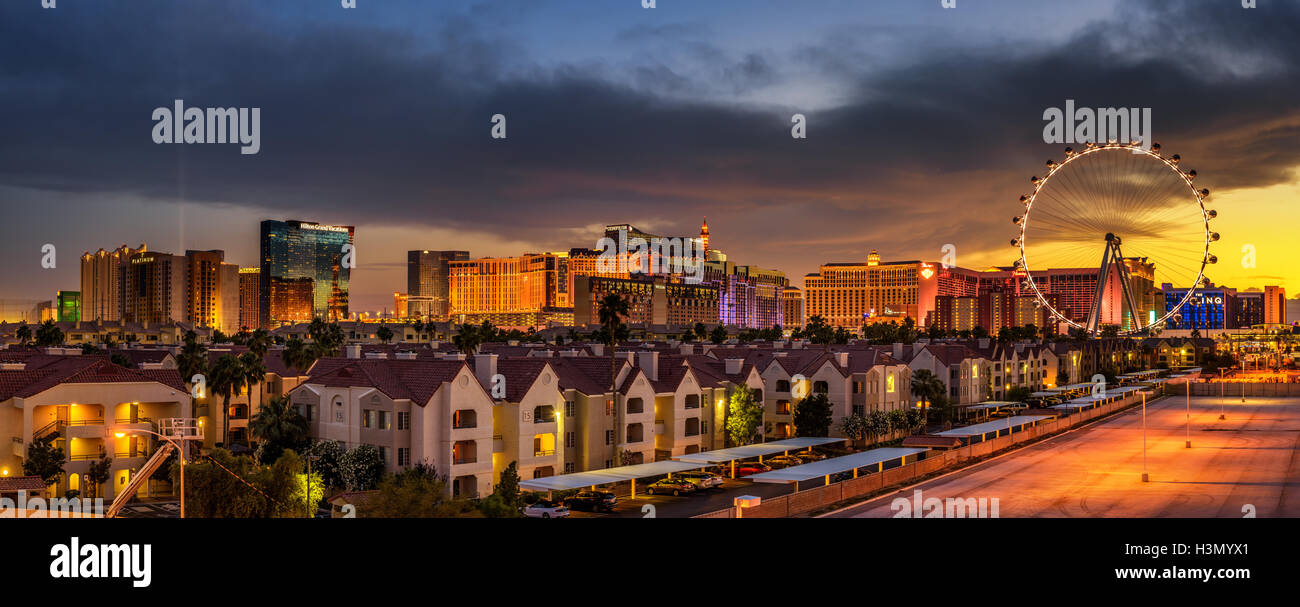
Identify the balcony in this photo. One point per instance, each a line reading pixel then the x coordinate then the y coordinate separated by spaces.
pixel 84 428
pixel 546 453
pixel 464 419
pixel 19 449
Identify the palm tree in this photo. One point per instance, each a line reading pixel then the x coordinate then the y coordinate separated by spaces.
pixel 49 334
pixel 298 355
pixel 925 386
pixel 228 379
pixel 419 330
pixel 193 360
pixel 259 342
pixel 468 339
pixel 384 334
pixel 24 333
pixel 254 373
pixel 613 309
pixel 279 426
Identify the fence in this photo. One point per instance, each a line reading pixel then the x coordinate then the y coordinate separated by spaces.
pixel 1230 389
pixel 818 498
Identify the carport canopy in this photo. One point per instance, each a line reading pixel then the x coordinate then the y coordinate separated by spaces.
pixel 993 426
pixel 996 404
pixel 722 456
pixel 836 465
pixel 578 480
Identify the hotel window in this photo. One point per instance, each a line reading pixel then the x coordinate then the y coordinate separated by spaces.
pixel 569 467
pixel 403 420
pixel 609 437
pixel 568 408
pixel 403 456
pixel 368 418
pixel 609 463
pixel 568 439
pixel 385 420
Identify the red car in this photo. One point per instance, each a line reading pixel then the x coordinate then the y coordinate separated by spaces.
pixel 748 468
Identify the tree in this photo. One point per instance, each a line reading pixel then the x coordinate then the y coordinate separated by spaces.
pixel 855 427
pixel 718 335
pixel 812 416
pixel 277 428
pixel 259 342
pixel 613 309
pixel 505 500
pixel 898 420
pixel 228 379
pixel 743 417
pixel 88 349
pixel 979 332
pixel 49 334
pixel 98 473
pixel 254 368
pixel 1062 377
pixel 384 334
pixel 926 386
pixel 193 359
pixel 878 425
pixel 23 333
pixel 239 488
pixel 44 459
pixel 468 339
pixel 416 492
pixel 362 468
pixel 298 355
pixel 328 462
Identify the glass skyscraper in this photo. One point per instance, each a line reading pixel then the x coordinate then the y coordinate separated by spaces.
pixel 304 273
pixel 427 283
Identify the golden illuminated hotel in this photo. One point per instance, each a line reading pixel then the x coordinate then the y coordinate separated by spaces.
pixel 533 289
pixel 853 294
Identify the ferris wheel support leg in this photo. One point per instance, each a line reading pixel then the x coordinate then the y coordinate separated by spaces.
pixel 1128 289
pixel 1094 317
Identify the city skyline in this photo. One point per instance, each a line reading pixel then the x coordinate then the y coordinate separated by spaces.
pixel 654 118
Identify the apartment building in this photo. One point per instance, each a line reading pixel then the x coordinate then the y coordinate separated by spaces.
pixel 82 402
pixel 434 412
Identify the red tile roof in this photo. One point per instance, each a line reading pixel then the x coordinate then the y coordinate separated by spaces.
pixel 42 374
pixel 14 484
pixel 415 380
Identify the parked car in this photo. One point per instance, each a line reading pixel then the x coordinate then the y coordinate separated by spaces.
pixel 670 486
pixel 748 468
pixel 546 509
pixel 783 461
pixel 810 456
pixel 592 501
pixel 702 479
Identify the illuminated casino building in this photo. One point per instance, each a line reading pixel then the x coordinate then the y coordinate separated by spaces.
pixel 303 274
pixel 1208 309
pixel 67 306
pixel 250 281
pixel 853 294
pixel 792 302
pixel 102 276
pixel 428 284
pixel 653 300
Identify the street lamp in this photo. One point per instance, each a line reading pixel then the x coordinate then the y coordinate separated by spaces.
pixel 1144 437
pixel 180 455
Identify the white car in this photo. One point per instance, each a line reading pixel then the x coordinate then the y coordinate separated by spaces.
pixel 545 509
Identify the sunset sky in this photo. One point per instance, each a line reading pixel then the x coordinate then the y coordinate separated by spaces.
pixel 924 124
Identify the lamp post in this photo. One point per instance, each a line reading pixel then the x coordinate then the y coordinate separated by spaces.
pixel 1222 398
pixel 1145 478
pixel 1189 414
pixel 180 455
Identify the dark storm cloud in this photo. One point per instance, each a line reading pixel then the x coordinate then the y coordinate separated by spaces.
pixel 395 127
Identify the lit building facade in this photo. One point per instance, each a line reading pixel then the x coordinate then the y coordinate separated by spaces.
pixel 1275 305
pixel 250 288
pixel 652 300
pixel 792 301
pixel 155 288
pixel 748 296
pixel 1208 309
pixel 854 294
pixel 427 283
pixel 304 274
pixel 67 306
pixel 102 276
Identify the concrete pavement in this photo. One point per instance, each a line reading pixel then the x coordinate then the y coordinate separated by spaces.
pixel 1250 460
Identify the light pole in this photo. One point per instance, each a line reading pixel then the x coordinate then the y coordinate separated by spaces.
pixel 1144 437
pixel 1189 414
pixel 1222 398
pixel 180 455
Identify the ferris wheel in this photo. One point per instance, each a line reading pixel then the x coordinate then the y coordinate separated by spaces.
pixel 1131 208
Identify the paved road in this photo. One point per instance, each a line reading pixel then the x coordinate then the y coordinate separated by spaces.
pixel 1250 458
